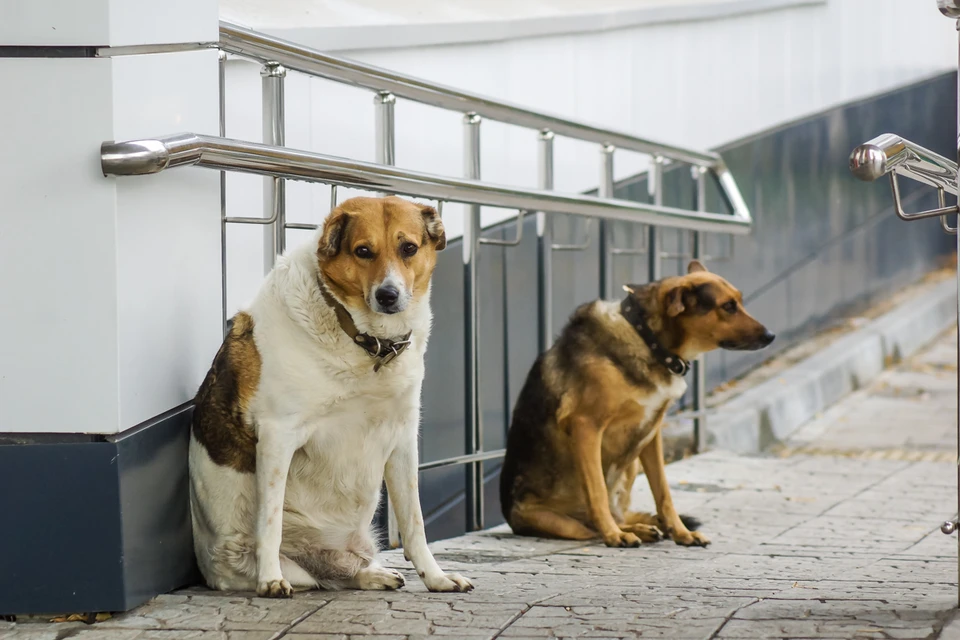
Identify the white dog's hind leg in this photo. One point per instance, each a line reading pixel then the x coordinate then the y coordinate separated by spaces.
pixel 297 576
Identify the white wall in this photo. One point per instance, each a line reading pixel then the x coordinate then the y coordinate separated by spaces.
pixel 698 83
pixel 109 296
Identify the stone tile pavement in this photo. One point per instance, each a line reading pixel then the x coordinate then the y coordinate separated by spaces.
pixel 835 536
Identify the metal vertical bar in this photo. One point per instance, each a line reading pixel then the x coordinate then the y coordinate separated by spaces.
pixel 606 226
pixel 545 245
pixel 384 136
pixel 699 387
pixel 274 189
pixel 958 302
pixel 384 130
pixel 222 78
pixel 653 244
pixel 471 306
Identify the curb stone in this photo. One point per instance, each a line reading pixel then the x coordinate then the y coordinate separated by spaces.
pixel 769 412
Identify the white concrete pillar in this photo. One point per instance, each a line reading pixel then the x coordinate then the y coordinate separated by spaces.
pixel 110 288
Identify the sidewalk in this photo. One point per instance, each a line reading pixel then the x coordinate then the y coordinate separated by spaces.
pixel 835 536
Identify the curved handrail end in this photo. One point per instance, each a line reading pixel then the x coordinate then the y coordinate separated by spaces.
pixel 868 162
pixel 133 158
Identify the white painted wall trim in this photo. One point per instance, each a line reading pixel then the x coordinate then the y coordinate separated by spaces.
pixel 338 32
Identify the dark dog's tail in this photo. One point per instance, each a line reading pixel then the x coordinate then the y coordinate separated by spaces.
pixel 690 522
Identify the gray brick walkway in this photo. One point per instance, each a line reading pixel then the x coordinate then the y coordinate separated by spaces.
pixel 837 537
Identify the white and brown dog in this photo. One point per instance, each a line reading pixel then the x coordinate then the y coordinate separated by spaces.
pixel 313 398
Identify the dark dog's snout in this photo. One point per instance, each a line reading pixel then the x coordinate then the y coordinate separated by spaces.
pixel 387 296
pixel 766 338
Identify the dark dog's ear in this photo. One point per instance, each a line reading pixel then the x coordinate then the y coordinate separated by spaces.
pixel 334 230
pixel 695 266
pixel 434 227
pixel 674 301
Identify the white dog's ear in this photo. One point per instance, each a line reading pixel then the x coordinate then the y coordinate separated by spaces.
pixel 334 230
pixel 433 226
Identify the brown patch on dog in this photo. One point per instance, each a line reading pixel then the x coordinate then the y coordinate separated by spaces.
pixel 365 238
pixel 589 414
pixel 220 409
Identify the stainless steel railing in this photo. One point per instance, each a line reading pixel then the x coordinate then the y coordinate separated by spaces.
pixel 889 154
pixel 278 163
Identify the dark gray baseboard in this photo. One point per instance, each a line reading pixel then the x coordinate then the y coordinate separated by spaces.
pixel 97 525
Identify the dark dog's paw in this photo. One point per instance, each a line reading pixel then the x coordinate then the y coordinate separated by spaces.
pixel 622 539
pixel 646 532
pixel 691 539
pixel 275 589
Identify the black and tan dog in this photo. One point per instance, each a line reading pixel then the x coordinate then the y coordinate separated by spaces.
pixel 590 412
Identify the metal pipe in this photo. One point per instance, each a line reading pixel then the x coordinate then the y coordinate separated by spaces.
pixel 449 462
pixel 471 306
pixel 653 242
pixel 265 48
pixel 950 8
pixel 222 83
pixel 544 244
pixel 384 153
pixel 889 152
pixel 140 157
pixel 383 104
pixel 699 387
pixel 274 189
pixel 605 191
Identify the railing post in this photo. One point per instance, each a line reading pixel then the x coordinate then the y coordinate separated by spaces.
pixel 385 139
pixel 383 124
pixel 699 386
pixel 605 190
pixel 954 11
pixel 545 245
pixel 274 189
pixel 655 188
pixel 471 306
pixel 222 78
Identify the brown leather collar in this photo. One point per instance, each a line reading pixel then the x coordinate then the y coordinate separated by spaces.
pixel 637 317
pixel 382 350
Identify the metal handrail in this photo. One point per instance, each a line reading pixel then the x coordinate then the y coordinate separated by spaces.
pixel 889 154
pixel 148 156
pixel 265 48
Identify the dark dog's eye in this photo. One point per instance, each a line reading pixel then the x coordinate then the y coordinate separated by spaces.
pixel 363 252
pixel 408 249
pixel 730 307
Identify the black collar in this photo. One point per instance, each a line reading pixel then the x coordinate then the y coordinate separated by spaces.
pixel 634 314
pixel 382 350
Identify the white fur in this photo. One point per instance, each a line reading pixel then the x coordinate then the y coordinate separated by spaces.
pixel 332 427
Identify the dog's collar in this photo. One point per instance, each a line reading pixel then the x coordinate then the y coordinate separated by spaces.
pixel 633 313
pixel 382 350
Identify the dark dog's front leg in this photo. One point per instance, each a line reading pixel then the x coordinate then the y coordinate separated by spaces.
pixel 651 457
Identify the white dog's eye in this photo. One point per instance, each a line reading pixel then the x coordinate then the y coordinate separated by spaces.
pixel 409 249
pixel 363 252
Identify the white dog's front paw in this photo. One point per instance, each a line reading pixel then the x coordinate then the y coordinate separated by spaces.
pixel 448 582
pixel 274 589
pixel 376 578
